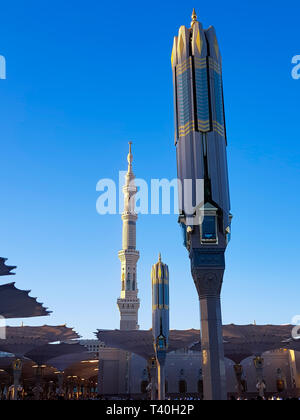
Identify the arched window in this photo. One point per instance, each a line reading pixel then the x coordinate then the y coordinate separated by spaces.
pixel 128 282
pixel 133 285
pixel 182 386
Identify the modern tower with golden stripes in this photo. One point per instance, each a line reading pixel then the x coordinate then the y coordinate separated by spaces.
pixel 129 303
pixel 204 205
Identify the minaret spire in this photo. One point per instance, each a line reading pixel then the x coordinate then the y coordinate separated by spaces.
pixel 129 302
pixel 130 158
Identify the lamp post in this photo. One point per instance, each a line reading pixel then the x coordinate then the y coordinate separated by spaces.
pixel 17 372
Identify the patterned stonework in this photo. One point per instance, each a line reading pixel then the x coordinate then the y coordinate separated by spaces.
pixel 208 282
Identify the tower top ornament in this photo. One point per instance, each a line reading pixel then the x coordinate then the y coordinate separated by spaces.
pixel 194 18
pixel 130 157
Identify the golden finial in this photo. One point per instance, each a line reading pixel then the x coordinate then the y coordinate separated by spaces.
pixel 159 257
pixel 194 17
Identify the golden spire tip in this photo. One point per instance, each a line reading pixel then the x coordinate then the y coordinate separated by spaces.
pixel 159 257
pixel 194 17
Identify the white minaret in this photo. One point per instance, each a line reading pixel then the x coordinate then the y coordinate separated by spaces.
pixel 129 302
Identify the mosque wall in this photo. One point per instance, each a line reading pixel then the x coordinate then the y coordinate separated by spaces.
pixel 273 362
pixel 120 375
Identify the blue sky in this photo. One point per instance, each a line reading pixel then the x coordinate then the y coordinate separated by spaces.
pixel 83 78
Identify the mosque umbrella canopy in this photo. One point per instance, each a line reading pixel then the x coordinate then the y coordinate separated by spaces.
pixel 28 366
pixel 21 340
pixel 15 303
pixel 62 363
pixel 84 369
pixel 234 352
pixel 140 342
pixel 257 339
pixel 42 354
pixel 6 362
pixel 29 372
pixel 5 270
pixel 242 341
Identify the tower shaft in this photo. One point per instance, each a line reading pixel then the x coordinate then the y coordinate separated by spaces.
pixel 204 203
pixel 129 303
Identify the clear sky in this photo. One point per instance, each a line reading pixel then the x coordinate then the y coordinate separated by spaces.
pixel 83 78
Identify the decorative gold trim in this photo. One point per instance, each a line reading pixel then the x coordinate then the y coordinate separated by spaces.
pixel 183 67
pixel 154 307
pixel 219 128
pixel 200 63
pixel 186 129
pixel 204 125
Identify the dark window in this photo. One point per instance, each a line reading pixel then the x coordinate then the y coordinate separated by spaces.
pixel 208 229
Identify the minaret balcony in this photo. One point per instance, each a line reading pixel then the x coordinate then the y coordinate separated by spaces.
pixel 129 215
pixel 129 253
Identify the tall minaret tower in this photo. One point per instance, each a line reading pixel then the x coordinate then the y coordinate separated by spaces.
pixel 129 302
